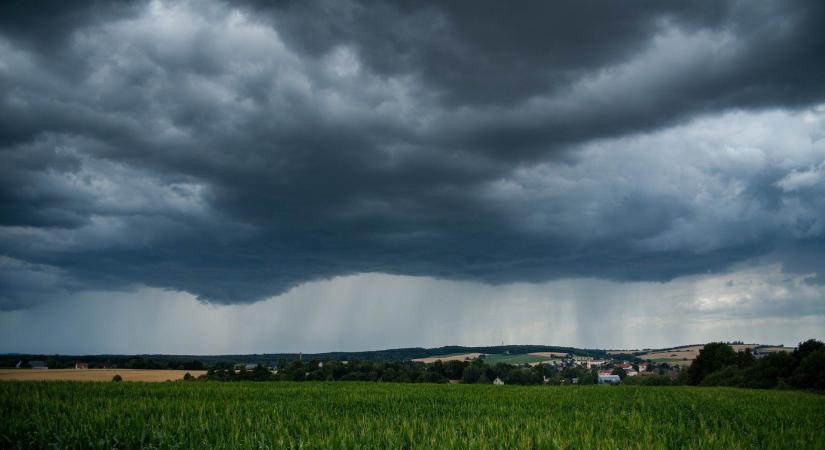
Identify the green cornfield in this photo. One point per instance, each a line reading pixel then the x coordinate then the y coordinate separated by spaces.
pixel 381 415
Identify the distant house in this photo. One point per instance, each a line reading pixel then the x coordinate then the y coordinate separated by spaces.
pixel 250 366
pixel 498 382
pixel 38 364
pixel 632 373
pixel 609 379
pixel 81 365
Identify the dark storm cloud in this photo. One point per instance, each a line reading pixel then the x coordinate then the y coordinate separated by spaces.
pixel 235 153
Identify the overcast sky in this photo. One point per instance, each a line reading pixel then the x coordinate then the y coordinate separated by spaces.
pixel 216 177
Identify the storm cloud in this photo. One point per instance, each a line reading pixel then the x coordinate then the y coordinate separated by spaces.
pixel 237 150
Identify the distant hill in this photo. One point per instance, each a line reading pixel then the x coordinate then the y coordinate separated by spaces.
pixel 390 355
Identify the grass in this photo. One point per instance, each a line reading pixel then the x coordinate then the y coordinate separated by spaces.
pixel 513 359
pixel 383 415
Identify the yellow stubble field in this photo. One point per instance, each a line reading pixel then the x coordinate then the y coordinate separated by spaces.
pixel 95 374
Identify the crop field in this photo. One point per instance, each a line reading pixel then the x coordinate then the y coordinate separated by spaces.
pixel 385 415
pixel 95 374
pixel 449 357
pixel 514 359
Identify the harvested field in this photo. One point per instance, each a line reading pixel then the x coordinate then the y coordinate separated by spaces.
pixel 514 359
pixel 95 374
pixel 445 358
pixel 677 356
pixel 776 349
pixel 742 347
pixel 548 355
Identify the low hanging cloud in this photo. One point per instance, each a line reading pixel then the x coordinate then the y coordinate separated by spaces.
pixel 237 150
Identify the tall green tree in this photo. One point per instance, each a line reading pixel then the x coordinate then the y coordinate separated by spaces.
pixel 712 357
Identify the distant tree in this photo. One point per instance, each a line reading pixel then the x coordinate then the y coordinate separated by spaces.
pixel 471 374
pixel 744 358
pixel 806 348
pixel 712 357
pixel 193 365
pixel 727 376
pixel 810 374
pixel 454 370
pixel 770 371
pixel 117 378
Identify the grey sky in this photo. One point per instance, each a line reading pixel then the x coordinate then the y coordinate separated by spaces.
pixel 250 152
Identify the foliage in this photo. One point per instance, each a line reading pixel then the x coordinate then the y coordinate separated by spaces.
pixel 803 369
pixel 714 356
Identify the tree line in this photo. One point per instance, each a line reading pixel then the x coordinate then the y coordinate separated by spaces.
pixel 468 372
pixel 718 364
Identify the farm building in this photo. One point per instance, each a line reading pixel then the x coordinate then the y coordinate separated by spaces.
pixel 81 365
pixel 498 382
pixel 38 364
pixel 609 379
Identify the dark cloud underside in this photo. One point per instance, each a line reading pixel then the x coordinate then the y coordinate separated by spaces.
pixel 237 150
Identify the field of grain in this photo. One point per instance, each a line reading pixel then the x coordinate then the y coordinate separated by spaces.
pixel 329 415
pixel 453 357
pixel 95 374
